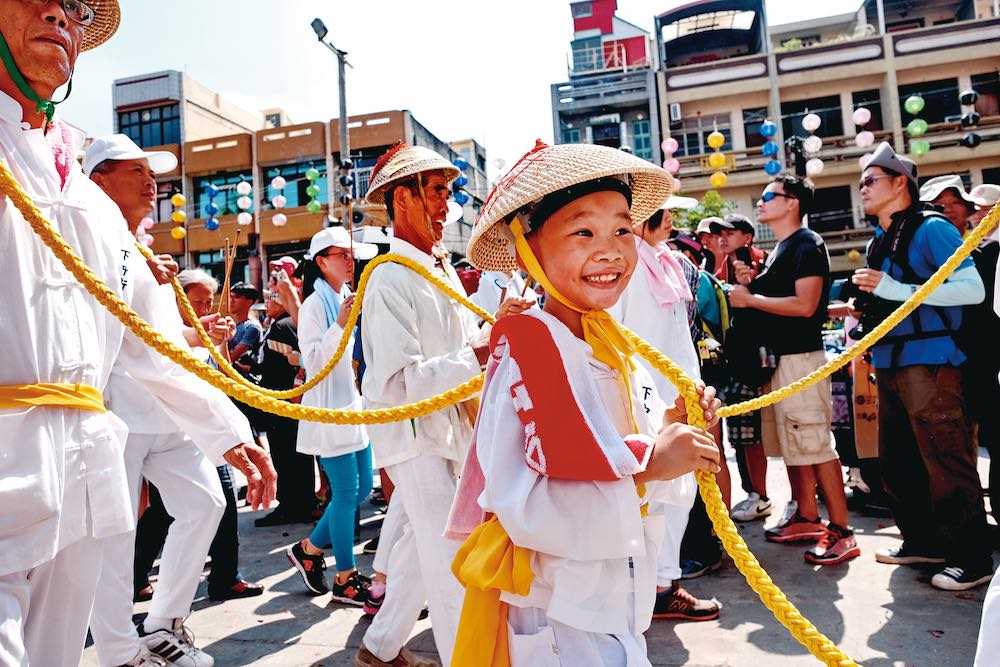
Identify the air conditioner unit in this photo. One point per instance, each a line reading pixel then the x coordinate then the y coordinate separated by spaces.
pixel 675 112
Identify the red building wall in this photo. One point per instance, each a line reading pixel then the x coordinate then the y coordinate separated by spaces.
pixel 635 50
pixel 602 13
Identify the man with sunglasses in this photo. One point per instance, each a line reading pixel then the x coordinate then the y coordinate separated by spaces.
pixel 926 452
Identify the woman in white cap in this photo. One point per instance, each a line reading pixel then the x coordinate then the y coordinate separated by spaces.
pixel 343 450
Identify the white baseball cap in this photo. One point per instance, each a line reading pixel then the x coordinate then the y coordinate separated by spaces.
pixel 120 147
pixel 337 237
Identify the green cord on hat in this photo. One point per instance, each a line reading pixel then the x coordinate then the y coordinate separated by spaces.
pixel 47 107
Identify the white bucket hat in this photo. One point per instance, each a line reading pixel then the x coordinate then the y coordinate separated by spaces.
pixel 337 237
pixel 548 169
pixel 933 188
pixel 120 147
pixel 985 195
pixel 401 162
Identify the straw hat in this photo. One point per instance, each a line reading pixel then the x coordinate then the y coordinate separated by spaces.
pixel 547 169
pixel 401 162
pixel 107 17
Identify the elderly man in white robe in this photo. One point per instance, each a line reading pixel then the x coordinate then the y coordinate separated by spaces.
pixel 62 476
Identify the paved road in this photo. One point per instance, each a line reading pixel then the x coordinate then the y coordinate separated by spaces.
pixel 880 615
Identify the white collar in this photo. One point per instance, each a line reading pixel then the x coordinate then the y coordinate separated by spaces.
pixel 407 249
pixel 10 110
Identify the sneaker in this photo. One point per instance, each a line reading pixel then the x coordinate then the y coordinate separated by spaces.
pixel 143 593
pixel 855 481
pixel 796 529
pixel 146 659
pixel 406 658
pixel 240 589
pixel 371 546
pixel 692 569
pixel 960 578
pixel 751 509
pixel 353 591
pixel 787 514
pixel 376 596
pixel 836 546
pixel 676 603
pixel 175 646
pixel 310 567
pixel 904 555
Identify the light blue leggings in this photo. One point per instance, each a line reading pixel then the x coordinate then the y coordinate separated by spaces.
pixel 350 478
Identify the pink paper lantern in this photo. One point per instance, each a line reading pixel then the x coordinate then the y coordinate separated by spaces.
pixel 148 240
pixel 864 160
pixel 669 145
pixel 672 165
pixel 677 185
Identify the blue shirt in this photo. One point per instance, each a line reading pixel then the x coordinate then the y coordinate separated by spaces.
pixel 933 243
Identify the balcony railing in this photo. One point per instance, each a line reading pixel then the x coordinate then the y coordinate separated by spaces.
pixel 601 90
pixel 944 135
pixel 602 59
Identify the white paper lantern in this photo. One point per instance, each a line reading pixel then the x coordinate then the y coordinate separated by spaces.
pixel 244 202
pixel 811 122
pixel 864 160
pixel 862 116
pixel 814 167
pixel 278 183
pixel 244 218
pixel 812 145
pixel 864 139
pixel 279 220
pixel 279 201
pixel 243 187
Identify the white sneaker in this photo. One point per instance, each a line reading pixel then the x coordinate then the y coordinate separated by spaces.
pixel 791 509
pixel 176 646
pixel 751 509
pixel 146 659
pixel 855 481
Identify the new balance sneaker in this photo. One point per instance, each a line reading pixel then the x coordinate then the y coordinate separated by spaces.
pixel 676 603
pixel 751 509
pixel 796 529
pixel 692 569
pixel 310 567
pixel 146 659
pixel 961 578
pixel 376 595
pixel 836 546
pixel 406 658
pixel 354 590
pixel 906 555
pixel 175 646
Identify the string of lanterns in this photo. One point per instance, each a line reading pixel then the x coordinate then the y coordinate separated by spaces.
pixel 243 189
pixel 312 190
pixel 279 201
pixel 717 160
pixel 178 216
pixel 670 163
pixel 970 119
pixel 917 127
pixel 770 148
pixel 863 139
pixel 461 196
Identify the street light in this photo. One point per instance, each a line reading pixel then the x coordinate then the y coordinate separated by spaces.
pixel 345 148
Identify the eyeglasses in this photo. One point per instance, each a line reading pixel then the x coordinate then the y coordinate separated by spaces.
pixel 338 255
pixel 79 12
pixel 869 181
pixel 769 196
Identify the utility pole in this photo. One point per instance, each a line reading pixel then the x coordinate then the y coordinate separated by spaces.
pixel 346 180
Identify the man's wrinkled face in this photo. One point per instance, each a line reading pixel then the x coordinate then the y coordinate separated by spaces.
pixel 433 205
pixel 881 191
pixel 44 41
pixel 131 184
pixel 201 299
pixel 730 240
pixel 955 208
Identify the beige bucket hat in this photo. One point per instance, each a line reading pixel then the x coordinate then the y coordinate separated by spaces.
pixel 399 163
pixel 548 169
pixel 107 18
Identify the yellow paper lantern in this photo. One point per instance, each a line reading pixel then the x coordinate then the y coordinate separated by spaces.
pixel 178 216
pixel 715 140
pixel 178 233
pixel 853 255
pixel 718 180
pixel 178 200
pixel 716 160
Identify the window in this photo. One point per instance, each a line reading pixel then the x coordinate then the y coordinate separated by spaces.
pixel 752 120
pixel 571 136
pixel 296 184
pixel 642 139
pixel 831 210
pixel 226 199
pixel 154 126
pixel 582 10
pixel 164 208
pixel 940 100
pixel 214 263
pixel 607 134
pixel 871 100
pixel 991 175
pixel 274 119
pixel 827 108
pixel 988 87
pixel 587 54
pixel 692 136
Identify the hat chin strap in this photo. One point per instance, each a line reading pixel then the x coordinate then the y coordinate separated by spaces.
pixel 43 106
pixel 423 200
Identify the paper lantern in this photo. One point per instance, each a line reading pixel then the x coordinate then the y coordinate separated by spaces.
pixel 864 160
pixel 914 104
pixel 462 180
pixel 811 122
pixel 314 206
pixel 716 160
pixel 769 149
pixel 970 119
pixel 178 233
pixel 212 224
pixel 968 97
pixel 148 240
pixel 677 185
pixel 672 165
pixel 718 180
pixel 812 145
pixel 278 183
pixel 243 188
pixel 461 163
pixel 768 129
pixel 244 202
pixel 147 223
pixel 772 167
pixel 919 147
pixel 461 198
pixel 864 139
pixel 861 116
pixel 814 167
pixel 178 200
pixel 211 209
pixel 211 191
pixel 312 190
pixel 279 201
pixel 178 216
pixel 244 218
pixel 854 255
pixel 312 174
pixel 669 145
pixel 279 220
pixel 971 140
pixel 916 127
pixel 715 140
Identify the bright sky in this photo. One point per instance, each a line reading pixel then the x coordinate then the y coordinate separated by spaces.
pixel 472 68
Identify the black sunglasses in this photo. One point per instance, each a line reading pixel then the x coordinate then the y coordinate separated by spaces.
pixel 769 196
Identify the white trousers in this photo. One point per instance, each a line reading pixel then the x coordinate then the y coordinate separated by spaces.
pixel 988 650
pixel 391 531
pixel 192 495
pixel 419 566
pixel 44 611
pixel 668 564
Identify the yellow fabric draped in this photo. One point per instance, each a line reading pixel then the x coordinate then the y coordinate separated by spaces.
pixel 487 563
pixel 57 395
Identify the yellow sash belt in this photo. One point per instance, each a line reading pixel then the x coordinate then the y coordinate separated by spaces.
pixel 57 395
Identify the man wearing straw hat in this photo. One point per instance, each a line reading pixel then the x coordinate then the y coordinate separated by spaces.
pixel 417 343
pixel 63 474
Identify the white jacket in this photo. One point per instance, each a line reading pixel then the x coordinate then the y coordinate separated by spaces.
pixel 317 343
pixel 416 345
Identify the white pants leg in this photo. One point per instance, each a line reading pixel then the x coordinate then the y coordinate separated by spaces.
pixel 668 566
pixel 44 611
pixel 989 629
pixel 420 562
pixel 192 494
pixel 388 536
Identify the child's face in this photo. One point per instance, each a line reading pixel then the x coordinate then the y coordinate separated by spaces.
pixel 587 249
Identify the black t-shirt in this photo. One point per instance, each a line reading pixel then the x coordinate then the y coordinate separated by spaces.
pixel 273 367
pixel 801 255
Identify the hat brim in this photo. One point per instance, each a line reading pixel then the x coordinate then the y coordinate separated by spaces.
pixel 107 18
pixel 937 190
pixel 361 251
pixel 676 203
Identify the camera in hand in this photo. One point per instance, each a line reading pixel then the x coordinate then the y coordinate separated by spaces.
pixel 873 309
pixel 743 255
